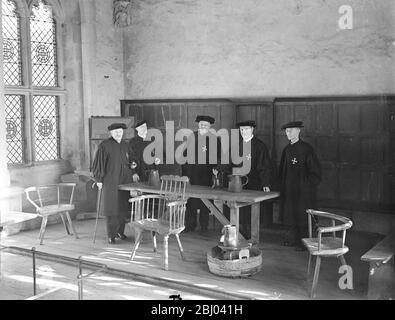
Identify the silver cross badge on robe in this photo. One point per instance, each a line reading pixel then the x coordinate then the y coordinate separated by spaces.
pixel 294 161
pixel 204 148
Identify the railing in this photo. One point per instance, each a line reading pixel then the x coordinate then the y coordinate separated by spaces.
pixel 53 257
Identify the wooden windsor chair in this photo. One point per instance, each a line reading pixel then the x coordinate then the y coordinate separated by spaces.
pixel 162 214
pixel 50 200
pixel 325 246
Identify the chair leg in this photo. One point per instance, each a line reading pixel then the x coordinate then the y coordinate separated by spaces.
pixel 308 266
pixel 166 252
pixel 180 246
pixel 136 243
pixel 42 229
pixel 153 234
pixel 316 274
pixel 342 260
pixel 64 223
pixel 71 225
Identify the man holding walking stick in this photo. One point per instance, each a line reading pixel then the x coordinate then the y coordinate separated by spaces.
pixel 111 168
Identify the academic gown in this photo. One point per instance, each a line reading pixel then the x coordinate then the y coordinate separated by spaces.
pixel 260 174
pixel 111 167
pixel 300 174
pixel 201 173
pixel 136 150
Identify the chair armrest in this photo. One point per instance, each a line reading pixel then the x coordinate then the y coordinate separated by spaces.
pixel 29 199
pixel 147 196
pixel 176 203
pixel 340 227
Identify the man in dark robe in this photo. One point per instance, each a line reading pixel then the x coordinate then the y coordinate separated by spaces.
pixel 110 168
pixel 200 172
pixel 300 174
pixel 260 172
pixel 136 150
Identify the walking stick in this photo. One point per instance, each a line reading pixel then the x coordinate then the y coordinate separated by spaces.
pixel 97 210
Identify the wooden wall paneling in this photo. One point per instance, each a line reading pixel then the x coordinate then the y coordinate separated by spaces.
pixel 348 117
pixel 327 148
pixel 372 182
pixel 329 186
pixel 326 119
pixel 349 149
pixel 349 182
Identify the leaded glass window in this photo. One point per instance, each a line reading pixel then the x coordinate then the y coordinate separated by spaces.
pixel 11 43
pixel 43 46
pixel 14 111
pixel 46 128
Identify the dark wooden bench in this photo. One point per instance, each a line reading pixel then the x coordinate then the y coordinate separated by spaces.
pixel 381 269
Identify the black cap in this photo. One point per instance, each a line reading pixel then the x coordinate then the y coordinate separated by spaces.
pixel 114 126
pixel 205 118
pixel 248 123
pixel 140 123
pixel 292 124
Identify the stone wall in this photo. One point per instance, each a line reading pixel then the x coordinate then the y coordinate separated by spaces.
pixel 254 48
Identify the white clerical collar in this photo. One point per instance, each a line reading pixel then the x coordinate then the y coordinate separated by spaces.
pixel 142 136
pixel 249 139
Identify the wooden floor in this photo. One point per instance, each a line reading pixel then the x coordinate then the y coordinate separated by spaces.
pixel 283 274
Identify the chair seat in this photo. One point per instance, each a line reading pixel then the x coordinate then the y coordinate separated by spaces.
pixel 156 225
pixel 329 246
pixel 55 208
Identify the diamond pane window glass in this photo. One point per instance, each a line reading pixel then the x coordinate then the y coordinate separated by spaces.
pixel 43 46
pixel 14 118
pixel 46 128
pixel 11 23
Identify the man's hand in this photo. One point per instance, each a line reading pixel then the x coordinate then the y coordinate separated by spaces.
pixel 99 185
pixel 266 189
pixel 157 161
pixel 136 178
pixel 133 165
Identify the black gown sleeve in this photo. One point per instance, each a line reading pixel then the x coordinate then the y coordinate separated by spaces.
pixel 99 164
pixel 264 166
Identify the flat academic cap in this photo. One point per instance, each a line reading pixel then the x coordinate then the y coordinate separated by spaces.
pixel 292 124
pixel 248 123
pixel 114 126
pixel 140 123
pixel 205 118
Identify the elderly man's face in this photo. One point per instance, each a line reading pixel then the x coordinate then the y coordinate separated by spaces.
pixel 117 134
pixel 246 132
pixel 292 133
pixel 142 130
pixel 204 126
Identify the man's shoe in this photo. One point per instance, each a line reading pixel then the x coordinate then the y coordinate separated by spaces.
pixel 111 240
pixel 121 236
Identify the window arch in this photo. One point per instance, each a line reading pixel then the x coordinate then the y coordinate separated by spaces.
pixel 33 92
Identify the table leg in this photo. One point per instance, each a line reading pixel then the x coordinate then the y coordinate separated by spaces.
pixel 234 220
pixel 234 215
pixel 255 212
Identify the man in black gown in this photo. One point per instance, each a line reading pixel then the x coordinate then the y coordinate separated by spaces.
pixel 300 174
pixel 260 173
pixel 111 168
pixel 201 172
pixel 136 150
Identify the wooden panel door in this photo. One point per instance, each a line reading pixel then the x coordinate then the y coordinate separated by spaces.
pixel 354 140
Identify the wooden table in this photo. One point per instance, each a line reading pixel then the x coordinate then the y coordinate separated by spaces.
pixel 233 200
